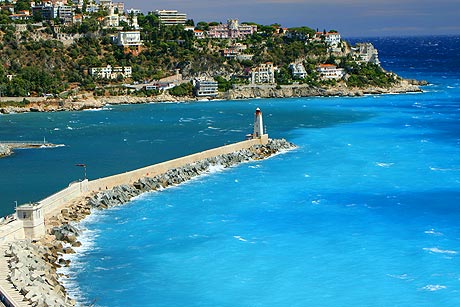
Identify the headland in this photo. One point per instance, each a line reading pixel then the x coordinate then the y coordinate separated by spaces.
pixel 88 101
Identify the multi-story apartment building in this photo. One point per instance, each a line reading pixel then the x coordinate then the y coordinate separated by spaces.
pixel 205 87
pixel 129 38
pixel 264 73
pixel 330 71
pixel 298 70
pixel 366 53
pixel 110 72
pixel 171 17
pixel 65 13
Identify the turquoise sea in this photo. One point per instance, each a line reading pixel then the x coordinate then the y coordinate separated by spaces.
pixel 364 213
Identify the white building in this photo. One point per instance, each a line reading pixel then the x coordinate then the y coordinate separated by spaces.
pixel 92 8
pixel 264 73
pixel 205 87
pixel 171 17
pixel 199 34
pixel 330 71
pixel 332 38
pixel 112 20
pixel 129 38
pixel 298 70
pixel 133 11
pixel 110 72
pixel 366 53
pixel 131 20
pixel 105 3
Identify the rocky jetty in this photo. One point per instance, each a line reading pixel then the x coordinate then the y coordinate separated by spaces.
pixel 33 273
pixel 4 150
pixel 33 265
pixel 124 193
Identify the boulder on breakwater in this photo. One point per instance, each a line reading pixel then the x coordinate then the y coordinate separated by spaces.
pixel 33 274
pixel 123 193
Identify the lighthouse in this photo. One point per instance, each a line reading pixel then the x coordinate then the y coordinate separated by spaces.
pixel 258 125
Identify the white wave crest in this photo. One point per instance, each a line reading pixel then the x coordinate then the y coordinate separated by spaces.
pixel 433 287
pixel 240 238
pixel 433 232
pixel 401 276
pixel 440 251
pixel 383 164
pixel 438 169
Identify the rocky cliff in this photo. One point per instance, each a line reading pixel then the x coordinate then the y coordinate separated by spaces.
pixel 303 90
pixel 87 101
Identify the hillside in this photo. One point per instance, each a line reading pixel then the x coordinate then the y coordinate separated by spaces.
pixel 54 60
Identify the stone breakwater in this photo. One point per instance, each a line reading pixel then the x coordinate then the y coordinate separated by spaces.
pixel 4 150
pixel 34 265
pixel 33 273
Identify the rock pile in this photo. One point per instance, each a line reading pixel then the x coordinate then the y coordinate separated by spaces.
pixel 34 276
pixel 4 150
pixel 124 193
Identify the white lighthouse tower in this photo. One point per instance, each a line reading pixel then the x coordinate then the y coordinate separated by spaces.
pixel 258 125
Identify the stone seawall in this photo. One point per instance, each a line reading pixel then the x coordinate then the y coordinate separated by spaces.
pixel 34 267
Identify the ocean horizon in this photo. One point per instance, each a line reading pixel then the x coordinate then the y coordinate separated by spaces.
pixel 364 212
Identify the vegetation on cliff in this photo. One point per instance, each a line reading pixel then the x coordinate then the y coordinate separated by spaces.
pixel 35 62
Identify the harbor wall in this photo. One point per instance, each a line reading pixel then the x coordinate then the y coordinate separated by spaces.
pixel 52 205
pixel 107 183
pixel 54 202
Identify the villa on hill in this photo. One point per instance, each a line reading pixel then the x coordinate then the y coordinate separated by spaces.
pixel 264 73
pixel 330 71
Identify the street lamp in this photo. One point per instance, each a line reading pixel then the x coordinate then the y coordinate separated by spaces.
pixel 84 167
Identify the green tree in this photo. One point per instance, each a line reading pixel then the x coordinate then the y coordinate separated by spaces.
pixel 184 89
pixel 22 5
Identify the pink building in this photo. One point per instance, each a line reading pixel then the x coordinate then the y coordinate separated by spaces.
pixel 231 30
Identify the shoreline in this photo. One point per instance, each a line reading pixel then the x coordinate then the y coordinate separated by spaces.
pixel 240 92
pixel 37 267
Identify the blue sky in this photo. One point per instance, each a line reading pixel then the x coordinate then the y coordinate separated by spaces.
pixel 350 17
